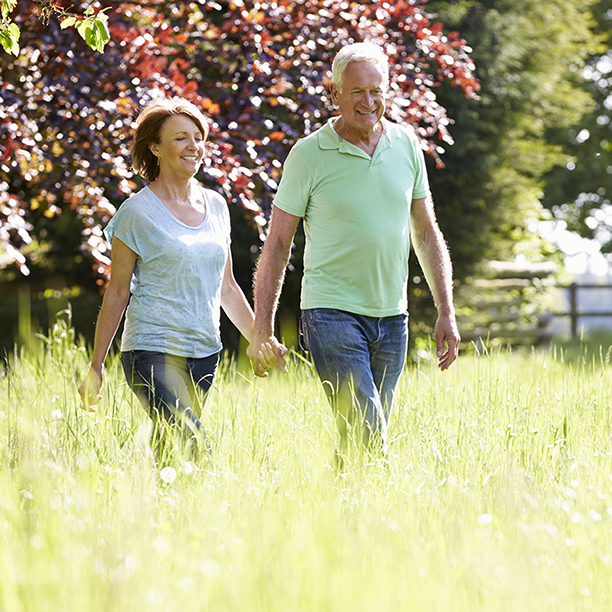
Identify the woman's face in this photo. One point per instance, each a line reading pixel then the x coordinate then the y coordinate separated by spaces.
pixel 181 147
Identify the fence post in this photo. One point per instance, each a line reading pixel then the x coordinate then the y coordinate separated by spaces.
pixel 574 308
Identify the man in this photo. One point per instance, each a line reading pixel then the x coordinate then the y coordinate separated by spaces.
pixel 360 185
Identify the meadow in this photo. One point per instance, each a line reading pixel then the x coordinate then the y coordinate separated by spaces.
pixel 496 495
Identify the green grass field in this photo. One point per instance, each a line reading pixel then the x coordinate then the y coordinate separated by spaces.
pixel 497 494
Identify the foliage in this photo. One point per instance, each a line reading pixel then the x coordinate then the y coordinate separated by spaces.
pixel 9 32
pixel 260 72
pixel 580 192
pixel 489 194
pixel 91 24
pixel 496 495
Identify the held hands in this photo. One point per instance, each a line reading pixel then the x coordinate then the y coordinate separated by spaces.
pixel 266 355
pixel 90 390
pixel 447 341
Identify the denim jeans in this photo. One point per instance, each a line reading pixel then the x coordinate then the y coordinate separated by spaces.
pixel 167 386
pixel 359 360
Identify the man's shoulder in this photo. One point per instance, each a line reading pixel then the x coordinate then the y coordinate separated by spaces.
pixel 400 130
pixel 322 137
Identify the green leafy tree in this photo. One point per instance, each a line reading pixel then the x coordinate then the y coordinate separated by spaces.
pixel 490 192
pixel 580 192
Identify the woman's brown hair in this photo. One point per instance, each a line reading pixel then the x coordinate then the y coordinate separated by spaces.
pixel 148 129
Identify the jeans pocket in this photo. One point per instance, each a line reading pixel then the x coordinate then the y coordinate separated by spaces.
pixel 303 334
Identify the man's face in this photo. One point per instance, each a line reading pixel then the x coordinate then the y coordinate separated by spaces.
pixel 362 99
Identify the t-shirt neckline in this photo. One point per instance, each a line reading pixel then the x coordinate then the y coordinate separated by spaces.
pixel 176 219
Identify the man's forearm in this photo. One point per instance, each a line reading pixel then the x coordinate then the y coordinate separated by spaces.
pixel 270 272
pixel 269 278
pixel 435 261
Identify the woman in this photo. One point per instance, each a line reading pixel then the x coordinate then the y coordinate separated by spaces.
pixel 170 251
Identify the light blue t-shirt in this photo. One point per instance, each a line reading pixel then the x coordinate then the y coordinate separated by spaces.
pixel 176 285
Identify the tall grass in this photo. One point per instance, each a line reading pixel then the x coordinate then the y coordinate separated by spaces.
pixel 497 494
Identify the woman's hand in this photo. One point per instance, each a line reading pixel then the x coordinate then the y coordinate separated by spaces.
pixel 270 354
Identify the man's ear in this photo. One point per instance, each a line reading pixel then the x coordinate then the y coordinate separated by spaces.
pixel 333 90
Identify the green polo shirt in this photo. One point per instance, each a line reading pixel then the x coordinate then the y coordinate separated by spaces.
pixel 356 212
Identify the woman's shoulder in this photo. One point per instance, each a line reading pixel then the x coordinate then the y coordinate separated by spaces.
pixel 136 209
pixel 213 196
pixel 215 201
pixel 138 199
pixel 218 211
pixel 138 205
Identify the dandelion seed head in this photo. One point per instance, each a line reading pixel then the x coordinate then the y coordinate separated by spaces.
pixel 188 468
pixel 484 519
pixel 168 475
pixel 594 515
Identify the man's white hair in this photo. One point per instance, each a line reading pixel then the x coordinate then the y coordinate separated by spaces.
pixel 359 52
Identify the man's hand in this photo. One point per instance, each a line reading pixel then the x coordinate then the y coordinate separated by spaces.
pixel 90 390
pixel 265 355
pixel 447 340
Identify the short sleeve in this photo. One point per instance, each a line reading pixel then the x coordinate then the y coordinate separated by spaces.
pixel 421 181
pixel 295 186
pixel 220 213
pixel 124 225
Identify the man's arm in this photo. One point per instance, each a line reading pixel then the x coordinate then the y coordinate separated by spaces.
pixel 269 278
pixel 237 308
pixel 434 258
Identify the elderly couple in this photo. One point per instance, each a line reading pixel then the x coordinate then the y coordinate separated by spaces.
pixel 360 185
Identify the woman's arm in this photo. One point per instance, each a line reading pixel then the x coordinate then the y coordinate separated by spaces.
pixel 234 302
pixel 113 306
pixel 237 308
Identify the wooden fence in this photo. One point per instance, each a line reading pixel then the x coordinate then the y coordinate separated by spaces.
pixel 574 312
pixel 508 304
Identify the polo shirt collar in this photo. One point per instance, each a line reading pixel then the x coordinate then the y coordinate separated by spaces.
pixel 329 138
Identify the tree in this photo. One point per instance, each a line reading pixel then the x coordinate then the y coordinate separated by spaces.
pixel 580 193
pixel 258 69
pixel 490 192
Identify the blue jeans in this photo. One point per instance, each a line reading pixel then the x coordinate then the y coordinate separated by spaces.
pixel 167 386
pixel 359 360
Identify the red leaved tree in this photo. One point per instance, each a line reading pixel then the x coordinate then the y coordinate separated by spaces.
pixel 259 70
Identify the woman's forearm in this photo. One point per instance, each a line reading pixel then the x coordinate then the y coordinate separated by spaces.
pixel 237 308
pixel 109 318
